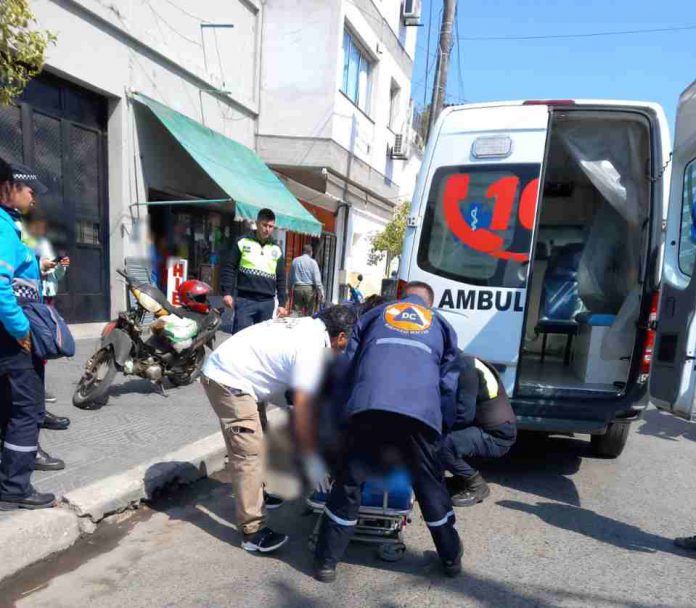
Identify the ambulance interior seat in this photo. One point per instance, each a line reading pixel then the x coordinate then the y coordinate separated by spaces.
pixel 559 297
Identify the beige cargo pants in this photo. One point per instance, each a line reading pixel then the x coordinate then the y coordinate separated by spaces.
pixel 241 428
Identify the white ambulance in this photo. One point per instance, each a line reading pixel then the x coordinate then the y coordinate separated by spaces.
pixel 556 249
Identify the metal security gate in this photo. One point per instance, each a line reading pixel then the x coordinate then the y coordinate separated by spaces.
pixel 60 130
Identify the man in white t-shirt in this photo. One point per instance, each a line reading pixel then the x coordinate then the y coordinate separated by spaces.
pixel 258 364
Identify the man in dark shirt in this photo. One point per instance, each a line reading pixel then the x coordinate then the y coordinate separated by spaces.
pixel 254 274
pixel 484 427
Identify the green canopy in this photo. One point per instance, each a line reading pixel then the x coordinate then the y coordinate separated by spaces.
pixel 237 170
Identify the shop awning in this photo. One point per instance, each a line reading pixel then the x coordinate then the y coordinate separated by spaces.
pixel 236 169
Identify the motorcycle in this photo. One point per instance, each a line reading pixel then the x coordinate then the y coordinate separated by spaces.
pixel 126 347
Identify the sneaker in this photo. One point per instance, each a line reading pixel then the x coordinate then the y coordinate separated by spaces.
pixel 264 541
pixel 271 501
pixel 324 572
pixel 686 542
pixel 50 397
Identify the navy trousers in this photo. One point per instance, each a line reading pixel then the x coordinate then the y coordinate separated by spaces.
pixel 471 442
pixel 375 442
pixel 22 408
pixel 249 312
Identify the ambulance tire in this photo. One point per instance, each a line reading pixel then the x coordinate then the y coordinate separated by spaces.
pixel 613 442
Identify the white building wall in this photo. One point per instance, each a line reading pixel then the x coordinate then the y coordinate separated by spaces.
pixel 300 41
pixel 156 48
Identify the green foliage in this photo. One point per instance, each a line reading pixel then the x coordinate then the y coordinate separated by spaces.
pixel 22 48
pixel 390 241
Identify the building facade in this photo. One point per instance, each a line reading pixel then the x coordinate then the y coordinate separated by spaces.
pixel 320 89
pixel 335 117
pixel 103 152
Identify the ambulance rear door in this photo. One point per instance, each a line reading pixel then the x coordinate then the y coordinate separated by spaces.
pixel 472 224
pixel 672 373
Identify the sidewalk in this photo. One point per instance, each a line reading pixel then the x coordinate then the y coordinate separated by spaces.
pixel 114 456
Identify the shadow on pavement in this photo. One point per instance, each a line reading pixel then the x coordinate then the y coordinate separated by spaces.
pixel 595 526
pixel 540 465
pixel 665 426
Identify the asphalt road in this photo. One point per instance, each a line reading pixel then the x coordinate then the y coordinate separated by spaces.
pixel 560 529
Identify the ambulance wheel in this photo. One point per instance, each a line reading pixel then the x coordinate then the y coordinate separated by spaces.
pixel 613 442
pixel 391 552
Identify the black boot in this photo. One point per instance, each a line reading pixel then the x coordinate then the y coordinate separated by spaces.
pixel 55 423
pixel 453 567
pixel 469 491
pixel 324 571
pixel 45 462
pixel 33 500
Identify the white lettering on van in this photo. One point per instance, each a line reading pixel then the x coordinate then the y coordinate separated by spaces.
pixel 482 299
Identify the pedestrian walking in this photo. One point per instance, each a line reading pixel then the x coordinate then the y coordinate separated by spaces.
pixel 305 283
pixel 402 385
pixel 22 400
pixel 250 367
pixel 254 275
pixel 484 427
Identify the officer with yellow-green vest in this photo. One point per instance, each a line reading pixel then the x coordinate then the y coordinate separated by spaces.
pixel 254 274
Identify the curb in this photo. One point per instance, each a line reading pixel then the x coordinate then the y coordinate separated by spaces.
pixel 27 537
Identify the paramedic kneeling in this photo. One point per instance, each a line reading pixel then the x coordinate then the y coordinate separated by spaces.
pixel 256 364
pixel 402 383
pixel 485 427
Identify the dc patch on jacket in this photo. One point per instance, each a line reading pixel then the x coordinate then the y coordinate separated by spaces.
pixel 407 317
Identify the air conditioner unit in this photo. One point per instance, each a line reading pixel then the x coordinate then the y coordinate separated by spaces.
pixel 411 12
pixel 401 148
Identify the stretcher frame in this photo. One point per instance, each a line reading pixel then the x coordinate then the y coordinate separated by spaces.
pixel 381 526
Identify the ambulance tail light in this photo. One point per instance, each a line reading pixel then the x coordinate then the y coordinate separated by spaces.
pixel 649 343
pixel 549 102
pixel 108 328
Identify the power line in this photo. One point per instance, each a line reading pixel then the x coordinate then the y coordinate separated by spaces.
pixel 185 12
pixel 460 73
pixel 588 35
pixel 170 26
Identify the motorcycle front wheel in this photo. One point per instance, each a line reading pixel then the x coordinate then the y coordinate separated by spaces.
pixel 93 388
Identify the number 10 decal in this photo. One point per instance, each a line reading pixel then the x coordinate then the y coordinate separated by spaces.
pixel 480 232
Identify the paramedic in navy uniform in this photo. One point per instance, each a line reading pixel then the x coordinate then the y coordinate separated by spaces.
pixel 402 382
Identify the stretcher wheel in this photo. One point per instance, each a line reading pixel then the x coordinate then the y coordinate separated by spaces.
pixel 391 552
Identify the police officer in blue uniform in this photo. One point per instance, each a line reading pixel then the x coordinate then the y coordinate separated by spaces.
pixel 22 399
pixel 402 383
pixel 485 427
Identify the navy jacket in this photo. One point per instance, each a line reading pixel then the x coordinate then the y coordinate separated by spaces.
pixel 482 401
pixel 402 359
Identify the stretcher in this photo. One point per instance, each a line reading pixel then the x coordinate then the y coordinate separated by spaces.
pixel 385 511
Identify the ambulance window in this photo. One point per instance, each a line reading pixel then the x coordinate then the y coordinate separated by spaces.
pixel 687 247
pixel 478 224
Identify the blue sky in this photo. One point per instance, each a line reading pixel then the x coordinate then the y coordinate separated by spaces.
pixel 654 66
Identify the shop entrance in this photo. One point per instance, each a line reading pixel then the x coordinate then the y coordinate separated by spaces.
pixel 60 130
pixel 200 234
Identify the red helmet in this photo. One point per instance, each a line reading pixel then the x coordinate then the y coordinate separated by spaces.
pixel 194 295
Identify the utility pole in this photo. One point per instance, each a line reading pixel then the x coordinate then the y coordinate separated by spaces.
pixel 443 54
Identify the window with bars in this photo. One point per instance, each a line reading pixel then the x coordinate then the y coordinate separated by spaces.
pixel 687 247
